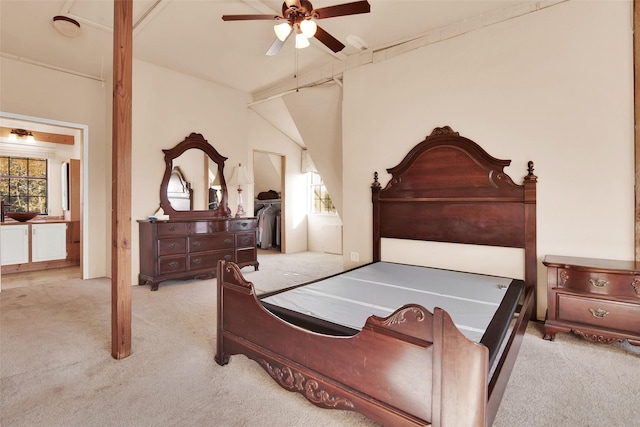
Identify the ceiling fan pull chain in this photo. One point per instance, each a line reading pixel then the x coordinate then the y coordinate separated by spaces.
pixel 295 75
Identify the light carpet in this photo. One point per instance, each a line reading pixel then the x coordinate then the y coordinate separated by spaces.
pixel 56 368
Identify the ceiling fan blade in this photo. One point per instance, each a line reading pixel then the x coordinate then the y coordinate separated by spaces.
pixel 275 47
pixel 328 40
pixel 343 9
pixel 249 17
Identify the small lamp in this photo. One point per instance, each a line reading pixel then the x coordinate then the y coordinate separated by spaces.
pixel 240 177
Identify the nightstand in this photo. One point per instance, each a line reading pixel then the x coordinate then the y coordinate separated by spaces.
pixel 595 298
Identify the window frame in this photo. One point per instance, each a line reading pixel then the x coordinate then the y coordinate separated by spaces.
pixel 313 184
pixel 29 196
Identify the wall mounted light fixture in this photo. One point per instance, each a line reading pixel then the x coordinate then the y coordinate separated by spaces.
pixel 21 133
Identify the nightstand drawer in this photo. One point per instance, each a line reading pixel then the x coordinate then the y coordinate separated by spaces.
pixel 594 282
pixel 601 313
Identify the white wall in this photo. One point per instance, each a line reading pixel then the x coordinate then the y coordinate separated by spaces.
pixel 553 86
pixel 325 233
pixel 34 91
pixel 167 107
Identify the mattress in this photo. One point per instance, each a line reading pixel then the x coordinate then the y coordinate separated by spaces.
pixel 481 306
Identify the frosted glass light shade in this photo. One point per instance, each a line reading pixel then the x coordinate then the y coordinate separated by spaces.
pixel 308 28
pixel 301 41
pixel 282 30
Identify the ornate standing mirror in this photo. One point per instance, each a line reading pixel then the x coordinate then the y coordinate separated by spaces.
pixel 176 207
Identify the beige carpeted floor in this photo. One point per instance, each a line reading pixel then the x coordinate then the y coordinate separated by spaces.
pixel 56 368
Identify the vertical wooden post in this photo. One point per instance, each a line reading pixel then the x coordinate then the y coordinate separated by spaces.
pixel 121 180
pixel 636 121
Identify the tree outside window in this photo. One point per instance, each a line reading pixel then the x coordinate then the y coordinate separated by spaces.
pixel 320 200
pixel 23 183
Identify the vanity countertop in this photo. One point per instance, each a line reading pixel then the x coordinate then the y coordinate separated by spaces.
pixel 9 221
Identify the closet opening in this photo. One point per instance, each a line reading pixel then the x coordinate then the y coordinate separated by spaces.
pixel 268 204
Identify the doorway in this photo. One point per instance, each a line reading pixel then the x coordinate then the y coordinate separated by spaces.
pixel 77 159
pixel 269 199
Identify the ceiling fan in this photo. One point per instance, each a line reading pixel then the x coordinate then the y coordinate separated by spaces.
pixel 298 17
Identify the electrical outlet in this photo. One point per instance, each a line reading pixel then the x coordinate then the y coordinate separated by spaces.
pixel 355 256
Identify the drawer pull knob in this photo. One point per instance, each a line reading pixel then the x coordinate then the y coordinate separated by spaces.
pixel 196 261
pixel 244 224
pixel 227 241
pixel 196 243
pixel 598 312
pixel 173 264
pixel 227 257
pixel 172 245
pixel 599 283
pixel 172 228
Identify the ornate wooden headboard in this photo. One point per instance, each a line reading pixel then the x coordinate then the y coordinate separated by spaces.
pixel 448 189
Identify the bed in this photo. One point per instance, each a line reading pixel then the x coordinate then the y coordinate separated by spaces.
pixel 414 366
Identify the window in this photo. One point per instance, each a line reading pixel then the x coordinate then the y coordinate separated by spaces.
pixel 320 200
pixel 23 183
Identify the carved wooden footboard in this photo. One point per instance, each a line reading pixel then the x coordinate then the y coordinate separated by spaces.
pixel 411 368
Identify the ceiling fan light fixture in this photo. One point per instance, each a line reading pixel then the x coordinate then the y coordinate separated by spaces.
pixel 282 30
pixel 301 41
pixel 308 28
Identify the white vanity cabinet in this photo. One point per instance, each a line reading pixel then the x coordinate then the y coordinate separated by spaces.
pixel 24 245
pixel 14 244
pixel 48 242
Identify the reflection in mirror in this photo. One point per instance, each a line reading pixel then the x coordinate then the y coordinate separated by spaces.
pixel 179 191
pixel 213 198
pixel 187 158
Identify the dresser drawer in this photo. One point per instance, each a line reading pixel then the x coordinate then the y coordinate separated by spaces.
pixel 243 224
pixel 246 255
pixel 208 261
pixel 208 227
pixel 172 265
pixel 206 243
pixel 245 239
pixel 601 313
pixel 172 228
pixel 594 282
pixel 177 245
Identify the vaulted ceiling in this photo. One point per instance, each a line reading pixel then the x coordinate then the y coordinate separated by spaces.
pixel 190 37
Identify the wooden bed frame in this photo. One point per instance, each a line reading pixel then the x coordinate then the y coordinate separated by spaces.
pixel 413 367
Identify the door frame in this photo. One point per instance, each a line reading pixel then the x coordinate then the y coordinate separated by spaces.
pixel 84 173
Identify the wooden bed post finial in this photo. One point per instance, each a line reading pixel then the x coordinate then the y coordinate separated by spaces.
pixel 376 183
pixel 530 175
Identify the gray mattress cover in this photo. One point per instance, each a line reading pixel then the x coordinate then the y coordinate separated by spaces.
pixel 381 288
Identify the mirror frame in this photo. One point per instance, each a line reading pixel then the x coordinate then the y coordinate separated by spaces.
pixel 197 141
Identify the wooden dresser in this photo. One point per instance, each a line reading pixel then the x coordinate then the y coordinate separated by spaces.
pixel 185 249
pixel 595 298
